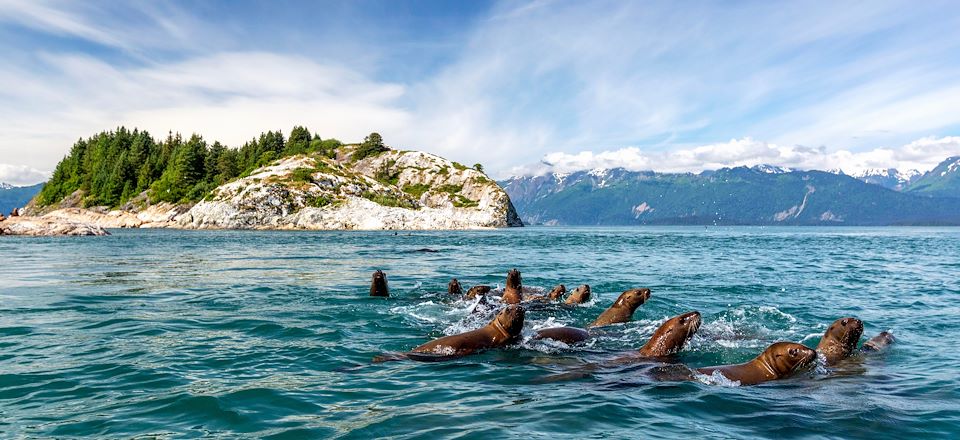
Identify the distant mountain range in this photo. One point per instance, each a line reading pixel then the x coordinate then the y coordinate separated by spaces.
pixel 942 181
pixel 886 177
pixel 761 195
pixel 16 196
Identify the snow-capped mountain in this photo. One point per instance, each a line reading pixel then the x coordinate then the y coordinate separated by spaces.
pixel 757 195
pixel 771 169
pixel 886 177
pixel 942 181
pixel 16 196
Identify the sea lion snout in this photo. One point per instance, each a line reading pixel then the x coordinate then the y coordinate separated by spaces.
pixel 691 320
pixel 511 319
pixel 479 290
pixel 514 280
pixel 852 324
pixel 513 291
pixel 580 295
pixel 634 297
pixel 788 357
pixel 557 292
pixel 378 284
pixel 807 355
pixel 454 288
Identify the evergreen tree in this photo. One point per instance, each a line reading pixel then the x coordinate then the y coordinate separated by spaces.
pixel 299 141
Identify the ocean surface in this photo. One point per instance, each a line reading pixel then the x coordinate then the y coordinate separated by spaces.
pixel 181 334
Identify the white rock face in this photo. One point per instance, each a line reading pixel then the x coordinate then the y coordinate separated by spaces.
pixel 38 226
pixel 423 192
pixel 394 190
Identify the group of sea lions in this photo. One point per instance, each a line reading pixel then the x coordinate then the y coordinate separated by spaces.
pixel 777 361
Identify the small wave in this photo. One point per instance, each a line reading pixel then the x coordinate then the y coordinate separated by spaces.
pixel 424 311
pixel 748 327
pixel 716 378
pixel 820 368
pixel 550 322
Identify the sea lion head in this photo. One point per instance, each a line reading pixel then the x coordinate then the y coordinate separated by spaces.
pixel 480 290
pixel 378 287
pixel 879 342
pixel 841 338
pixel 513 280
pixel 453 287
pixel 580 295
pixel 784 358
pixel 510 320
pixel 557 292
pixel 672 335
pixel 632 299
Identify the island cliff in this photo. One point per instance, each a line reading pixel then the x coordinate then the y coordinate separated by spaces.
pixel 356 186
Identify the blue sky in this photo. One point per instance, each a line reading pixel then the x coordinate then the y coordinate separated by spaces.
pixel 522 87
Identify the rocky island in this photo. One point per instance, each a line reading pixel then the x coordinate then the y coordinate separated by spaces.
pixel 297 183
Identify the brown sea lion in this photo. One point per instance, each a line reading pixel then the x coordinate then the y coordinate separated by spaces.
pixel 477 290
pixel 878 343
pixel 557 292
pixel 567 335
pixel 623 308
pixel 672 335
pixel 840 340
pixel 378 287
pixel 453 287
pixel 502 330
pixel 513 292
pixel 778 361
pixel 579 295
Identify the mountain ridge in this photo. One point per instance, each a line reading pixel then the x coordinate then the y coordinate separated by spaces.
pixel 738 195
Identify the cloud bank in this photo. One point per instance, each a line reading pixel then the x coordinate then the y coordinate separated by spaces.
pixel 921 155
pixel 21 175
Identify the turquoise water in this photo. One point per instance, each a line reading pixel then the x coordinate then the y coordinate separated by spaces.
pixel 270 334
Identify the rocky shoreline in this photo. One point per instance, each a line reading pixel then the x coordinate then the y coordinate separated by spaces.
pixel 395 190
pixel 46 227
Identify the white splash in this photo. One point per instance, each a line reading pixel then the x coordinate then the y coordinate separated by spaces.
pixel 716 378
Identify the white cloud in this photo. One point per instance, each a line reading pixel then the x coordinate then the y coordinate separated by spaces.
pixel 230 97
pixel 539 79
pixel 922 155
pixel 20 175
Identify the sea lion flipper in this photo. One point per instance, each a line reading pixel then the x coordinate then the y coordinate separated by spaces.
pixel 390 357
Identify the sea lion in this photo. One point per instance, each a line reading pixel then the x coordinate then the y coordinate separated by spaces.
pixel 15 213
pixel 453 287
pixel 378 287
pixel 672 335
pixel 557 292
pixel 623 308
pixel 532 294
pixel 580 295
pixel 503 329
pixel 840 340
pixel 878 343
pixel 779 360
pixel 513 292
pixel 567 335
pixel 477 290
